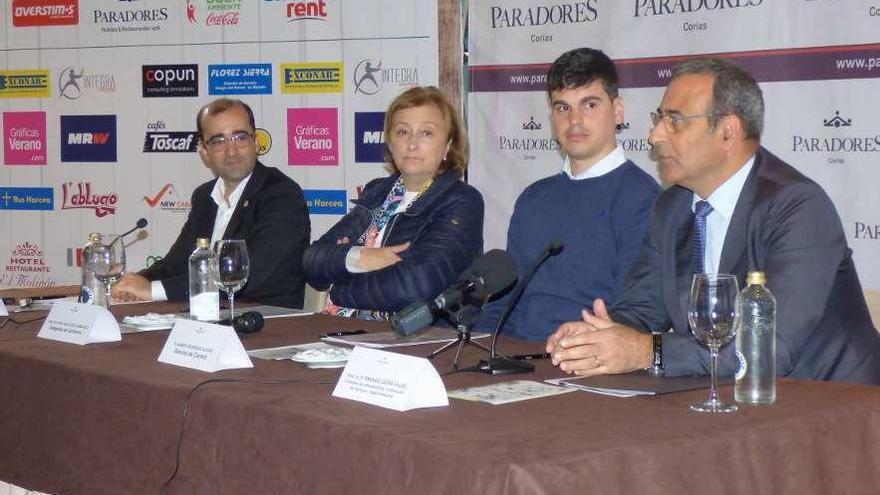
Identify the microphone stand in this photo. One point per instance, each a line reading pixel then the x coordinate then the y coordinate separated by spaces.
pixel 502 365
pixel 463 319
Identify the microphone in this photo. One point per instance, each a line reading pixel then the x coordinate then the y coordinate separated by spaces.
pixel 503 365
pixel 141 223
pixel 248 322
pixel 489 274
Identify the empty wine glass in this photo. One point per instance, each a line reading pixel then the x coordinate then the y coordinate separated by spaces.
pixel 711 314
pixel 108 261
pixel 230 267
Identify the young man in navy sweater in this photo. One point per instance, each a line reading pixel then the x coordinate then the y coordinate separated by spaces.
pixel 597 206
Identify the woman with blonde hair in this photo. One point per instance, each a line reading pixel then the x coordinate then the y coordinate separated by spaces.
pixel 409 236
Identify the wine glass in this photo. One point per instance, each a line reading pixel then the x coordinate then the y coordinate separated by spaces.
pixel 711 314
pixel 108 261
pixel 230 266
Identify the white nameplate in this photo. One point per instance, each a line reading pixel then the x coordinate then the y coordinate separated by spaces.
pixel 81 324
pixel 3 310
pixel 390 380
pixel 204 346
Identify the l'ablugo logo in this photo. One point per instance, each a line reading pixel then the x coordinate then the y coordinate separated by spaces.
pixel 79 196
pixel 369 137
pixel 27 198
pixel 88 138
pixel 240 79
pixel 27 268
pixel 24 138
pixel 26 13
pixel 311 77
pixel 157 140
pixel 27 83
pixel 325 201
pixel 170 80
pixel 312 136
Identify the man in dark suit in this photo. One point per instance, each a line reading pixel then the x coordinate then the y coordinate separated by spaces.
pixel 247 200
pixel 761 214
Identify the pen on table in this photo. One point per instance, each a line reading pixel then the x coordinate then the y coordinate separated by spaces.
pixel 529 357
pixel 344 333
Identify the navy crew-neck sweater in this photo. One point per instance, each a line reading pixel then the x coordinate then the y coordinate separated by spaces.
pixel 601 221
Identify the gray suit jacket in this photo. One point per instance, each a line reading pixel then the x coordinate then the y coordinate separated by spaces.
pixel 785 225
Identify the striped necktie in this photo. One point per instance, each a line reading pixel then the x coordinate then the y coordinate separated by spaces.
pixel 698 252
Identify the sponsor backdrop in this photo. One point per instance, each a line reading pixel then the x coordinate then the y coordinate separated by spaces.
pixel 817 62
pixel 98 101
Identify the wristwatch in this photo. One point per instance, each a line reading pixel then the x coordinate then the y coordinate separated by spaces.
pixel 657 364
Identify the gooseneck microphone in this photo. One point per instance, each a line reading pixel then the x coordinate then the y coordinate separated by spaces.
pixel 489 274
pixel 248 322
pixel 503 365
pixel 141 223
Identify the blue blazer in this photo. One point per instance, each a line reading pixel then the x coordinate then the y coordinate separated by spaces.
pixel 444 225
pixel 786 226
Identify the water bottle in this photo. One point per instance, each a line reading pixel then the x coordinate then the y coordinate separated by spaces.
pixel 204 297
pixel 756 343
pixel 92 291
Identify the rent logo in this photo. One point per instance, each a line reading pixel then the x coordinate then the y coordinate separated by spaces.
pixel 170 80
pixel 312 136
pixel 79 196
pixel 314 77
pixel 88 138
pixel 24 138
pixel 26 13
pixel 369 137
pixel 27 198
pixel 307 11
pixel 240 79
pixel 325 201
pixel 24 83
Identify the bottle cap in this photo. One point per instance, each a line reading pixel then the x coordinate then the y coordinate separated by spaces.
pixel 203 243
pixel 95 237
pixel 756 278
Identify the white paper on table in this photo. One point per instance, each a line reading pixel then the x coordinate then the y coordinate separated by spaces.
pixel 507 392
pixel 81 324
pixel 204 346
pixel 3 311
pixel 390 380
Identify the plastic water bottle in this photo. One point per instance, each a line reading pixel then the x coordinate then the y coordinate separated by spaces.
pixel 204 297
pixel 756 343
pixel 92 290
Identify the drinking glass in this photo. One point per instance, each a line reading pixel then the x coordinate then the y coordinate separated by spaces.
pixel 108 261
pixel 230 267
pixel 711 314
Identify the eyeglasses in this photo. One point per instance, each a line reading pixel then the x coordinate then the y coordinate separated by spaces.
pixel 673 122
pixel 237 139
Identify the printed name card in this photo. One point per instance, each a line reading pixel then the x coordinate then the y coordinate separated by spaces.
pixel 81 324
pixel 204 346
pixel 3 311
pixel 390 380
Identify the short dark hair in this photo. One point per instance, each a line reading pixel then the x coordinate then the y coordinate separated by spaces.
pixel 221 105
pixel 580 67
pixel 734 92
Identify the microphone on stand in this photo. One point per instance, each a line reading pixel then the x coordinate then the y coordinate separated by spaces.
pixel 140 224
pixel 247 322
pixel 500 365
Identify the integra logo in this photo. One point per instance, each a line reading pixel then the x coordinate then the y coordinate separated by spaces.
pixel 668 7
pixel 307 11
pixel 170 142
pixel 563 13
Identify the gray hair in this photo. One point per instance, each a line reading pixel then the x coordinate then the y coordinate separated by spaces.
pixel 735 92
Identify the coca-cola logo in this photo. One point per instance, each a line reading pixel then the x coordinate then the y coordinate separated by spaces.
pixel 225 19
pixel 79 196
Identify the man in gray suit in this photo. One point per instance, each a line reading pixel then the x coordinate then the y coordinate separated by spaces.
pixel 760 214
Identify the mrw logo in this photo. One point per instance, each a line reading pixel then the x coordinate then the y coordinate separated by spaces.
pixel 158 197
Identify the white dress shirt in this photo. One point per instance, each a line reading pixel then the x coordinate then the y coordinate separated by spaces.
pixel 225 208
pixel 607 164
pixel 723 201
